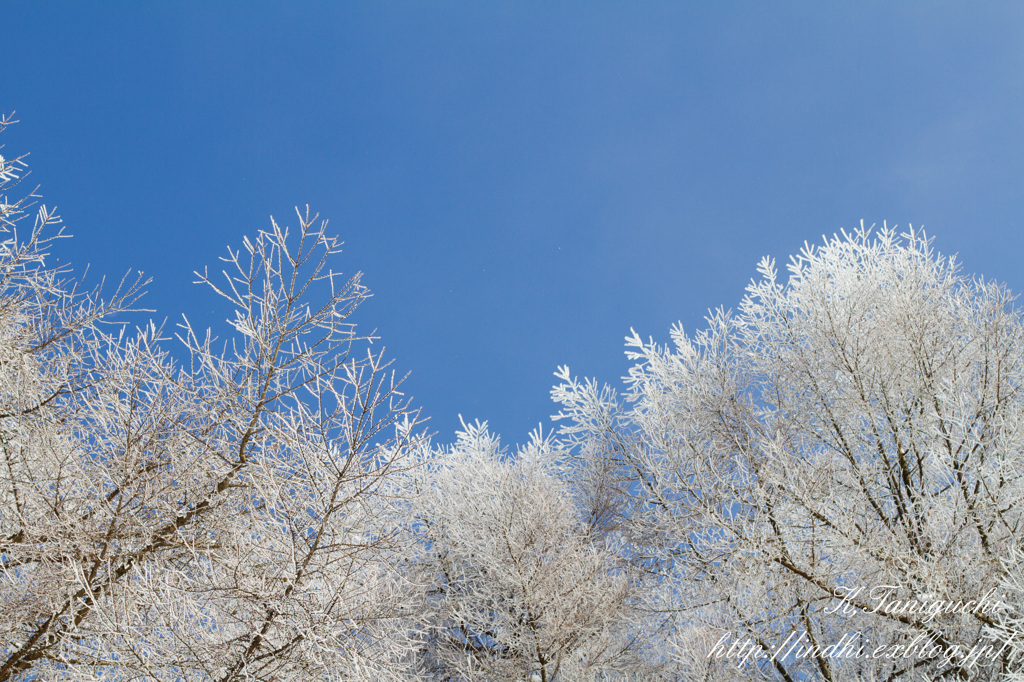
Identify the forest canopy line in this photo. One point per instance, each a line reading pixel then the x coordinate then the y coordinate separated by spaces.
pixel 825 484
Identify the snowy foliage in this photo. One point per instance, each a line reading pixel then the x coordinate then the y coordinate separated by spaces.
pixel 213 519
pixel 514 584
pixel 856 426
pixel 833 471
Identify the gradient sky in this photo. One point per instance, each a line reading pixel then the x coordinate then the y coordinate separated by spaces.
pixel 519 182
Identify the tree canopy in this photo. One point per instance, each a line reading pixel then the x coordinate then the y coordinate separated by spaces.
pixel 824 484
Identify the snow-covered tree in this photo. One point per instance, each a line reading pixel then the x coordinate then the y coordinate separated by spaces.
pixel 831 461
pixel 827 484
pixel 516 587
pixel 208 519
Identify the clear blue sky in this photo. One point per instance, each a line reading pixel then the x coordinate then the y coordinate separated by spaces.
pixel 520 182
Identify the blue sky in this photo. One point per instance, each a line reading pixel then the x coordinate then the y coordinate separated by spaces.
pixel 519 182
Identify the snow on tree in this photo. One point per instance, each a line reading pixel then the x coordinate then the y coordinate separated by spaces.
pixel 515 585
pixel 212 519
pixel 826 484
pixel 838 457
